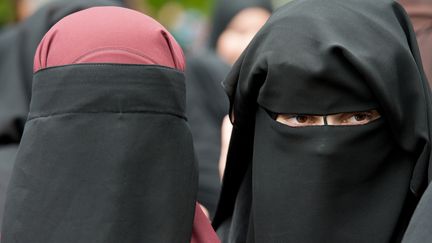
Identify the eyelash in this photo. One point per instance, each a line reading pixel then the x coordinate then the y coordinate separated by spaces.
pixel 366 116
pixel 310 120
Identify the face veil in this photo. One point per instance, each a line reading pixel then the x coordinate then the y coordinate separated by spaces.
pixel 327 183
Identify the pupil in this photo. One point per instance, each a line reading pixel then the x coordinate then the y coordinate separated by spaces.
pixel 360 117
pixel 301 119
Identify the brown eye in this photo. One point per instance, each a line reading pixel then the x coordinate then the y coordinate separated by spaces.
pixel 361 116
pixel 301 119
pixel 353 118
pixel 295 120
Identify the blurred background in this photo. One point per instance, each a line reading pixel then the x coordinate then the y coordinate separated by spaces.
pixel 174 15
pixel 187 20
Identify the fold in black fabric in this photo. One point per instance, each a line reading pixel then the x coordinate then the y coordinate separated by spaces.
pixel 106 156
pixel 117 88
pixel 327 183
pixel 18 44
pixel 419 228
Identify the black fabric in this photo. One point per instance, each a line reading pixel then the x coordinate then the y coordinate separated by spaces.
pixel 18 44
pixel 329 183
pixel 206 106
pixel 348 182
pixel 226 10
pixel 419 228
pixel 106 156
pixel 7 157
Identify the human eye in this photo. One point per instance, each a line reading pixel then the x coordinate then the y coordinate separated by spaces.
pixel 353 118
pixel 299 120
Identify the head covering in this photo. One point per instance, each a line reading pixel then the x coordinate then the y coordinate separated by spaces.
pixel 420 13
pixel 106 154
pixel 153 47
pixel 226 10
pixel 202 230
pixel 17 48
pixel 327 183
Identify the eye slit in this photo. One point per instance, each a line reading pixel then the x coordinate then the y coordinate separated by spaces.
pixel 340 119
pixel 299 120
pixel 353 118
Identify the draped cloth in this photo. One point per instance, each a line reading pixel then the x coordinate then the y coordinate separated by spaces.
pixel 327 183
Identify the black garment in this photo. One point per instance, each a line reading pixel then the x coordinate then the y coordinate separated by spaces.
pixel 419 228
pixel 7 157
pixel 206 106
pixel 226 10
pixel 17 48
pixel 327 183
pixel 106 156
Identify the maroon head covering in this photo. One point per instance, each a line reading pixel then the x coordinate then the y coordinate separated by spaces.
pixel 420 13
pixel 90 37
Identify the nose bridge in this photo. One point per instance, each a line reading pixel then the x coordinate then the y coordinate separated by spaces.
pixel 322 119
pixel 324 144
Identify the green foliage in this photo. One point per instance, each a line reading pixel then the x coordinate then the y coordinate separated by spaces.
pixel 203 5
pixel 6 12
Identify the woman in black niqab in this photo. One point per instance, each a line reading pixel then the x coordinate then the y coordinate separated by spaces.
pixel 327 183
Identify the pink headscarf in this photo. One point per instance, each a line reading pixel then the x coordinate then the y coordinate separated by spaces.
pixel 420 13
pixel 125 37
pixel 202 231
pixel 90 37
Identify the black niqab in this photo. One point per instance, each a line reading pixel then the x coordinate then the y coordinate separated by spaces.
pixel 327 183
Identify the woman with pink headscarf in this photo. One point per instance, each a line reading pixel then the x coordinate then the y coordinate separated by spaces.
pixel 106 154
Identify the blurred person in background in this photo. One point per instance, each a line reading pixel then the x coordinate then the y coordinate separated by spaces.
pixel 420 13
pixel 18 44
pixel 88 168
pixel 234 24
